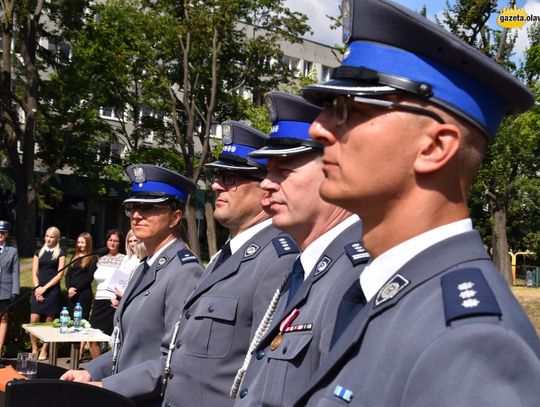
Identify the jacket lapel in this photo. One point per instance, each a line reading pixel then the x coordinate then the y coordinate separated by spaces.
pixel 247 252
pixel 457 249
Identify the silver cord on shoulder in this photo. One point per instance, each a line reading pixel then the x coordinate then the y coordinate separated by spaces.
pixel 259 334
pixel 114 343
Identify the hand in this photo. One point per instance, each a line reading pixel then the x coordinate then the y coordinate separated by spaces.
pixel 40 298
pixel 119 293
pixel 14 297
pixel 81 376
pixel 39 291
pixel 114 303
pixel 97 384
pixel 72 292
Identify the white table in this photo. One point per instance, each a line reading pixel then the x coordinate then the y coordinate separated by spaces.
pixel 53 336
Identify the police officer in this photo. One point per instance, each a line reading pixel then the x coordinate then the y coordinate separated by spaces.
pixel 9 278
pixel 407 121
pixel 223 313
pixel 331 259
pixel 155 293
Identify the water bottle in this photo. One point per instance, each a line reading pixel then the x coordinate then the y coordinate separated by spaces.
pixel 77 317
pixel 64 319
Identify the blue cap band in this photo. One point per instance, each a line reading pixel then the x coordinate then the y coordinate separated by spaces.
pixel 153 187
pixel 298 130
pixel 242 151
pixel 459 91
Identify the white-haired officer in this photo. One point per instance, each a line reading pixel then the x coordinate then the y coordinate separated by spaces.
pixel 407 121
pixel 219 319
pixel 9 278
pixel 332 257
pixel 156 291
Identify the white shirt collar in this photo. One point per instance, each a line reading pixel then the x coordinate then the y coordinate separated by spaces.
pixel 152 259
pixel 241 238
pixel 379 271
pixel 312 253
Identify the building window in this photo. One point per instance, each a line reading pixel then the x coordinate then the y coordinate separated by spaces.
pixel 307 67
pixel 108 113
pixel 326 73
pixel 292 63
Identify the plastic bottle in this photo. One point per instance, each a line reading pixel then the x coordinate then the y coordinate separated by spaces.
pixel 77 317
pixel 64 319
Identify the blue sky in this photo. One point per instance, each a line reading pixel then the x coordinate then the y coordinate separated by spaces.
pixel 317 9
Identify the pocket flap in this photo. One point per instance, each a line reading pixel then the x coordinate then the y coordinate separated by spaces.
pixel 292 344
pixel 217 307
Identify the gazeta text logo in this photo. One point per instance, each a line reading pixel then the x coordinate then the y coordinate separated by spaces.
pixel 515 18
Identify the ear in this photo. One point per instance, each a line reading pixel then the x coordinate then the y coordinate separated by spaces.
pixel 439 145
pixel 176 217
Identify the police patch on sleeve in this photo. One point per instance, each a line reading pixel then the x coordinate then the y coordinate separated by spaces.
pixel 357 254
pixel 284 245
pixel 466 293
pixel 186 256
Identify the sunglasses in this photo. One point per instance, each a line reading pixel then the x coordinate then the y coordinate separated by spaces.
pixel 144 208
pixel 340 107
pixel 229 178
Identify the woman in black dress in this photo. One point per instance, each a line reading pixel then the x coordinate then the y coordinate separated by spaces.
pixel 46 277
pixel 80 275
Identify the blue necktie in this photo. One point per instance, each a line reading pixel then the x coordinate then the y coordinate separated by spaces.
pixel 224 255
pixel 296 279
pixel 351 304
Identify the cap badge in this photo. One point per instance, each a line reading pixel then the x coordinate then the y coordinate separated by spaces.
pixel 139 174
pixel 227 133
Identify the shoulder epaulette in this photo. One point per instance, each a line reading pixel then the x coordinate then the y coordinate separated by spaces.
pixel 357 253
pixel 466 293
pixel 284 245
pixel 186 256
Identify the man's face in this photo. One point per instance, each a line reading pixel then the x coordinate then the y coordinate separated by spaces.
pixel 238 200
pixel 3 237
pixel 367 160
pixel 292 187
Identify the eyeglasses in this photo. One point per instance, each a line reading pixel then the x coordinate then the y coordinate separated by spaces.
pixel 229 178
pixel 340 107
pixel 144 208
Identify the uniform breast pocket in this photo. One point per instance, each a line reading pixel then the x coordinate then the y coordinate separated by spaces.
pixel 292 348
pixel 212 327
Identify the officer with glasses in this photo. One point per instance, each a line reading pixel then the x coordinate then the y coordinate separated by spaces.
pixel 156 292
pixel 221 316
pixel 407 121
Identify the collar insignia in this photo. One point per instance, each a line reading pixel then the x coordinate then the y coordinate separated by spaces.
pixel 251 250
pixel 323 264
pixel 391 288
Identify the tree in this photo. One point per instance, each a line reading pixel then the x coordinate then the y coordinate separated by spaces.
pixel 26 27
pixel 502 197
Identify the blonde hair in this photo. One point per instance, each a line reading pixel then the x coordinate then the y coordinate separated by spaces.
pixel 139 250
pixel 56 250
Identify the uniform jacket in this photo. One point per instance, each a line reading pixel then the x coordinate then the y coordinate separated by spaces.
pixel 445 330
pixel 145 314
pixel 276 377
pixel 9 273
pixel 220 318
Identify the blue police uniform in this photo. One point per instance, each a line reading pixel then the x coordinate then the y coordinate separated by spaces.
pixel 221 316
pixel 300 335
pixel 444 329
pixel 152 300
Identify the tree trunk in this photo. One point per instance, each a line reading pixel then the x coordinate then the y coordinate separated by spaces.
pixel 210 221
pixel 192 231
pixel 26 218
pixel 499 243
